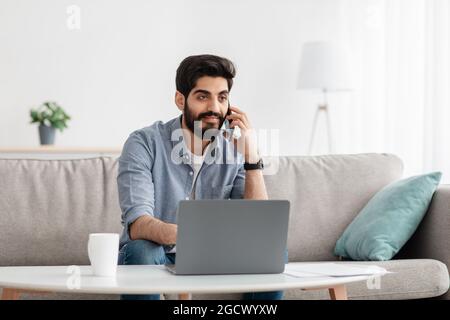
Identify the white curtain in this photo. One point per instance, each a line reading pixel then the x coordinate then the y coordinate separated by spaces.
pixel 402 104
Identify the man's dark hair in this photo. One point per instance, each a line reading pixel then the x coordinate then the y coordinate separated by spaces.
pixel 194 67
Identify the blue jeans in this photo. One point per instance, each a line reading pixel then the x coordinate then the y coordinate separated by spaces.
pixel 144 252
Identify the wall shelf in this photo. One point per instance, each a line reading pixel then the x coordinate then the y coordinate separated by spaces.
pixel 57 152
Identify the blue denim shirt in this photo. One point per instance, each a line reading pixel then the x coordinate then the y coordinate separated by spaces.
pixel 155 173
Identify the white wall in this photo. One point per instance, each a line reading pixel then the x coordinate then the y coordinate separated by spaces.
pixel 117 73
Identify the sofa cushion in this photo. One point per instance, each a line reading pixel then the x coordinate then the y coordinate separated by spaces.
pixel 411 279
pixel 326 193
pixel 49 207
pixel 389 219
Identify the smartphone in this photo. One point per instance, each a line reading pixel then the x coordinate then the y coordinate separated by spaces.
pixel 232 133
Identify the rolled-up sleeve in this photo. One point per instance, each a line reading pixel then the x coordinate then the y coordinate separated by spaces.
pixel 135 181
pixel 239 184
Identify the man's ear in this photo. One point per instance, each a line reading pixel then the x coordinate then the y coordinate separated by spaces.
pixel 179 100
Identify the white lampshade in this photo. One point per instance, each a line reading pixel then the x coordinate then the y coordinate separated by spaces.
pixel 325 66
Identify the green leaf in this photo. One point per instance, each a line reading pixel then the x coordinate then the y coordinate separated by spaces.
pixel 34 116
pixel 49 113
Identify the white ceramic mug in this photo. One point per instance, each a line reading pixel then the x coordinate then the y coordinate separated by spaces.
pixel 103 251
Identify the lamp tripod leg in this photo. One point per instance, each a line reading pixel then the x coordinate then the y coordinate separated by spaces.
pixel 313 132
pixel 330 141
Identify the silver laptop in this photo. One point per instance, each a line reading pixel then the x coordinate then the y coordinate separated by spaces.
pixel 231 237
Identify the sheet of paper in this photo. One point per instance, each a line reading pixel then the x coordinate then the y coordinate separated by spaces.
pixel 299 274
pixel 332 270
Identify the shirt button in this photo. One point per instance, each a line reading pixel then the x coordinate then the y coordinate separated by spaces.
pixel 191 173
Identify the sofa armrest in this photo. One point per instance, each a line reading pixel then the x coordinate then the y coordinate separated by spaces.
pixel 432 239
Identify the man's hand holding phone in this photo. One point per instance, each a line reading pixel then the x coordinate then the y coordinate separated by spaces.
pixel 246 144
pixel 231 133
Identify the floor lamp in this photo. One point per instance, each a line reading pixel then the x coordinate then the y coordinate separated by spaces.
pixel 324 66
pixel 322 108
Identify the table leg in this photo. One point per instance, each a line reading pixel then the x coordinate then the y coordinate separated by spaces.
pixel 14 294
pixel 10 294
pixel 338 293
pixel 184 296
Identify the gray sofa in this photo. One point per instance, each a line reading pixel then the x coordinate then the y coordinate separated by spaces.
pixel 48 208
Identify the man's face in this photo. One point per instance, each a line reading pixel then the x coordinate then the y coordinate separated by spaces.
pixel 207 103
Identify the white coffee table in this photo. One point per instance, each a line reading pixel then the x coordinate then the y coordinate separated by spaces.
pixel 151 279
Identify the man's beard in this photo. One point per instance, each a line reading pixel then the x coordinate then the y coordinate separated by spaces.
pixel 189 119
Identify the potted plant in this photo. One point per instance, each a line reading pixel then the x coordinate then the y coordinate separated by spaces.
pixel 50 117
